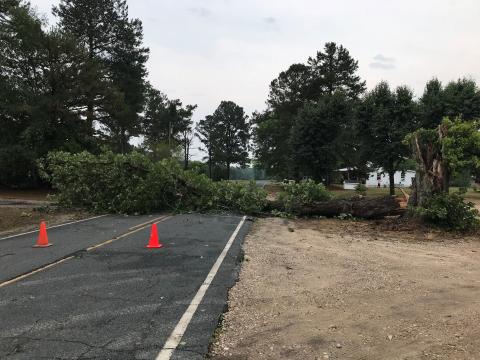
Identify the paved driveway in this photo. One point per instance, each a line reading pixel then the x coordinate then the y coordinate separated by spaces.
pixel 98 293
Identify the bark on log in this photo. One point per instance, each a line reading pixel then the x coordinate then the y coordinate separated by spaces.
pixel 366 208
pixel 432 175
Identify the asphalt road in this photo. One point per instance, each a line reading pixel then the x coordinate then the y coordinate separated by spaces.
pixel 120 300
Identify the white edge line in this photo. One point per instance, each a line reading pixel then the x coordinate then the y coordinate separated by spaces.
pixel 177 333
pixel 54 226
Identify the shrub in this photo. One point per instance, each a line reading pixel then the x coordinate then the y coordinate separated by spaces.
pixel 133 183
pixel 361 189
pixel 235 196
pixel 450 211
pixel 303 193
pixel 17 167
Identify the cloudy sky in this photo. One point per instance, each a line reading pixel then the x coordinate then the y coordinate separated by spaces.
pixel 205 51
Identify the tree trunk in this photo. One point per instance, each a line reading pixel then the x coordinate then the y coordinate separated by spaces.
pixel 123 141
pixel 391 178
pixel 228 171
pixel 186 152
pixel 210 163
pixel 432 173
pixel 366 208
pixel 90 114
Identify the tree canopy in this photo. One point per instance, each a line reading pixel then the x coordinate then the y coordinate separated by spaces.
pixel 225 135
pixel 385 117
pixel 276 131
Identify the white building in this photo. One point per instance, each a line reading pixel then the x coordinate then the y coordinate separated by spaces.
pixel 402 178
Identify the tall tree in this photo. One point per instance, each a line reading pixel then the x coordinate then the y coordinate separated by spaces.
pixel 330 71
pixel 334 69
pixel 232 132
pixel 93 24
pixel 167 122
pixel 315 135
pixel 114 75
pixel 38 92
pixel 205 131
pixel 459 98
pixel 187 136
pixel 290 89
pixel 128 72
pixel 385 118
pixel 432 105
pixel 462 99
pixel 272 148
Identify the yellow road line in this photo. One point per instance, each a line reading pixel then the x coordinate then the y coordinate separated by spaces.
pixel 43 268
pixel 21 277
pixel 145 223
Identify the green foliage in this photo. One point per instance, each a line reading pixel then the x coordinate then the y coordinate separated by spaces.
pixel 133 183
pixel 55 82
pixel 361 189
pixel 301 112
pixel 238 196
pixel 461 146
pixel 449 211
pixel 303 193
pixel 385 118
pixel 459 98
pixel 314 137
pixel 17 167
pixel 225 135
pixel 462 179
pixel 167 125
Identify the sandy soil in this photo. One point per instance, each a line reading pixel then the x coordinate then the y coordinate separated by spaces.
pixel 332 289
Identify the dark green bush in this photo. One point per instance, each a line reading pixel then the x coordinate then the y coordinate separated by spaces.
pixel 17 167
pixel 303 193
pixel 361 189
pixel 133 183
pixel 450 211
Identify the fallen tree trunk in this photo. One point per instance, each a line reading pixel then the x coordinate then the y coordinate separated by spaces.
pixel 366 208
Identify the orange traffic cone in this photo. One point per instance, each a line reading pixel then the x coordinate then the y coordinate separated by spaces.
pixel 154 243
pixel 42 237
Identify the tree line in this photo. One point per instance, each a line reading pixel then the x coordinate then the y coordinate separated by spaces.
pixel 320 118
pixel 82 85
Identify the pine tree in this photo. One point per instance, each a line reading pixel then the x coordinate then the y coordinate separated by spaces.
pixel 167 122
pixel 114 76
pixel 334 69
pixel 329 72
pixel 128 72
pixel 232 131
pixel 92 23
pixel 206 133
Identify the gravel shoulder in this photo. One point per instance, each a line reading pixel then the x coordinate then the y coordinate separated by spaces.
pixel 332 289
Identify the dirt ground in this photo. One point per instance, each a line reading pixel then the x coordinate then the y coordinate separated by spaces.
pixel 19 219
pixel 22 210
pixel 35 195
pixel 333 289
